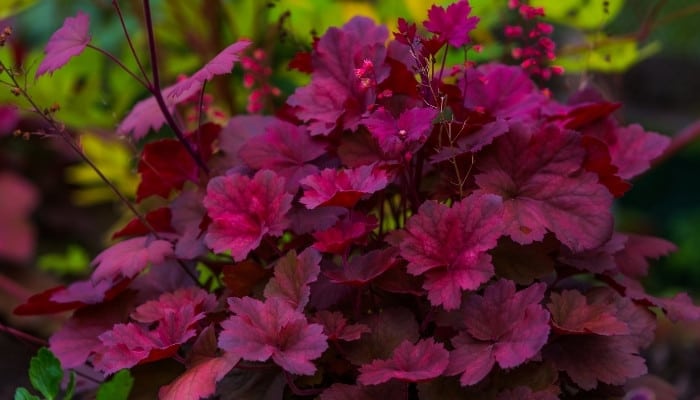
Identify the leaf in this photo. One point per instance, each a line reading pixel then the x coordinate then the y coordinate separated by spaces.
pixel 635 148
pixel 68 41
pixel 410 363
pixel 292 277
pixel 363 268
pixel 158 219
pixel 117 388
pixel 448 246
pixel 342 187
pixel 538 173
pixel 388 328
pixel 284 148
pixel 45 373
pixel 580 13
pixel 129 257
pixel 273 329
pixel 407 133
pixel 352 229
pixel 604 54
pixel 244 210
pixel 336 327
pixel 146 115
pixel 164 166
pixel 199 381
pixel 221 64
pixel 633 259
pixel 242 277
pixel 524 263
pixel 503 326
pixel 589 359
pixel 572 314
pixel 23 394
pixel 452 24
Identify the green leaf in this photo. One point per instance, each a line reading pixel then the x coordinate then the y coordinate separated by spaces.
pixel 605 54
pixel 582 14
pixel 117 388
pixel 208 278
pixel 23 394
pixel 70 390
pixel 46 374
pixel 74 261
pixel 12 7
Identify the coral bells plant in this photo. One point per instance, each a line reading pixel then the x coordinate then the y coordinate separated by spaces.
pixel 401 228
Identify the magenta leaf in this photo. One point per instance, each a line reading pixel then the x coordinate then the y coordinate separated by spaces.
pixel 589 359
pixel 293 274
pixel 243 210
pixel 129 257
pixel 452 25
pixel 407 133
pixel 273 329
pixel 336 327
pixel 411 363
pixel 342 187
pixel 284 148
pixel 68 41
pixel 572 314
pixel 348 63
pixel 155 310
pixel 352 229
pixel 503 326
pixel 221 64
pixel 18 200
pixel 449 245
pixel 632 260
pixel 634 149
pixel 363 268
pixel 538 174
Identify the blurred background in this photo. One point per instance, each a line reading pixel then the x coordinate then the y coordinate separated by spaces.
pixel 56 215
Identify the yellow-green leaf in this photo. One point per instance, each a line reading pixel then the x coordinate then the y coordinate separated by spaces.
pixel 9 8
pixel 604 54
pixel 583 14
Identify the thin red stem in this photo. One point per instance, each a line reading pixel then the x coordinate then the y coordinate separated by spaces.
pixel 120 64
pixel 680 140
pixel 115 3
pixel 23 335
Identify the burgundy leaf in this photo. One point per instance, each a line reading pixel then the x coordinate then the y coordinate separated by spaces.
pixel 343 187
pixel 272 329
pixel 286 149
pixel 632 260
pixel 129 257
pixel 504 327
pixel 538 174
pixel 635 148
pixel 597 260
pixel 68 41
pixel 221 64
pixel 238 131
pixel 336 327
pixel 407 133
pixel 589 359
pixel 158 219
pixel 347 63
pixel 572 314
pixel 293 274
pixel 388 328
pixel 363 268
pixel 352 229
pixel 449 246
pixel 164 166
pixel 524 263
pixel 243 210
pixel 241 278
pixel 411 363
pixel 452 25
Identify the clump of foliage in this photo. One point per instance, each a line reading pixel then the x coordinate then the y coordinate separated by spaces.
pixel 400 227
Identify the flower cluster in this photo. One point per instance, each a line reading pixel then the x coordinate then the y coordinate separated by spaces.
pixel 396 230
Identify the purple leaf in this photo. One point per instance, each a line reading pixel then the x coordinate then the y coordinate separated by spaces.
pixel 129 257
pixel 293 274
pixel 363 268
pixel 342 187
pixel 243 210
pixel 633 259
pixel 538 173
pixel 407 133
pixel 452 25
pixel 572 314
pixel 352 229
pixel 272 329
pixel 68 41
pixel 449 246
pixel 336 327
pixel 221 64
pixel 634 149
pixel 410 363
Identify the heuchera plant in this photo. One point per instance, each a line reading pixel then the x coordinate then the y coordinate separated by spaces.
pixel 401 228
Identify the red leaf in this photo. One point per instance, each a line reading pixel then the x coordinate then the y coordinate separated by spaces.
pixel 589 359
pixel 572 314
pixel 272 329
pixel 159 219
pixel 242 277
pixel 165 165
pixel 452 25
pixel 363 268
pixel 598 160
pixel 411 363
pixel 198 381
pixel 343 187
pixel 336 327
pixel 632 260
pixel 129 257
pixel 293 274
pixel 538 174
pixel 504 326
pixel 449 245
pixel 68 41
pixel 243 210
pixel 352 229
